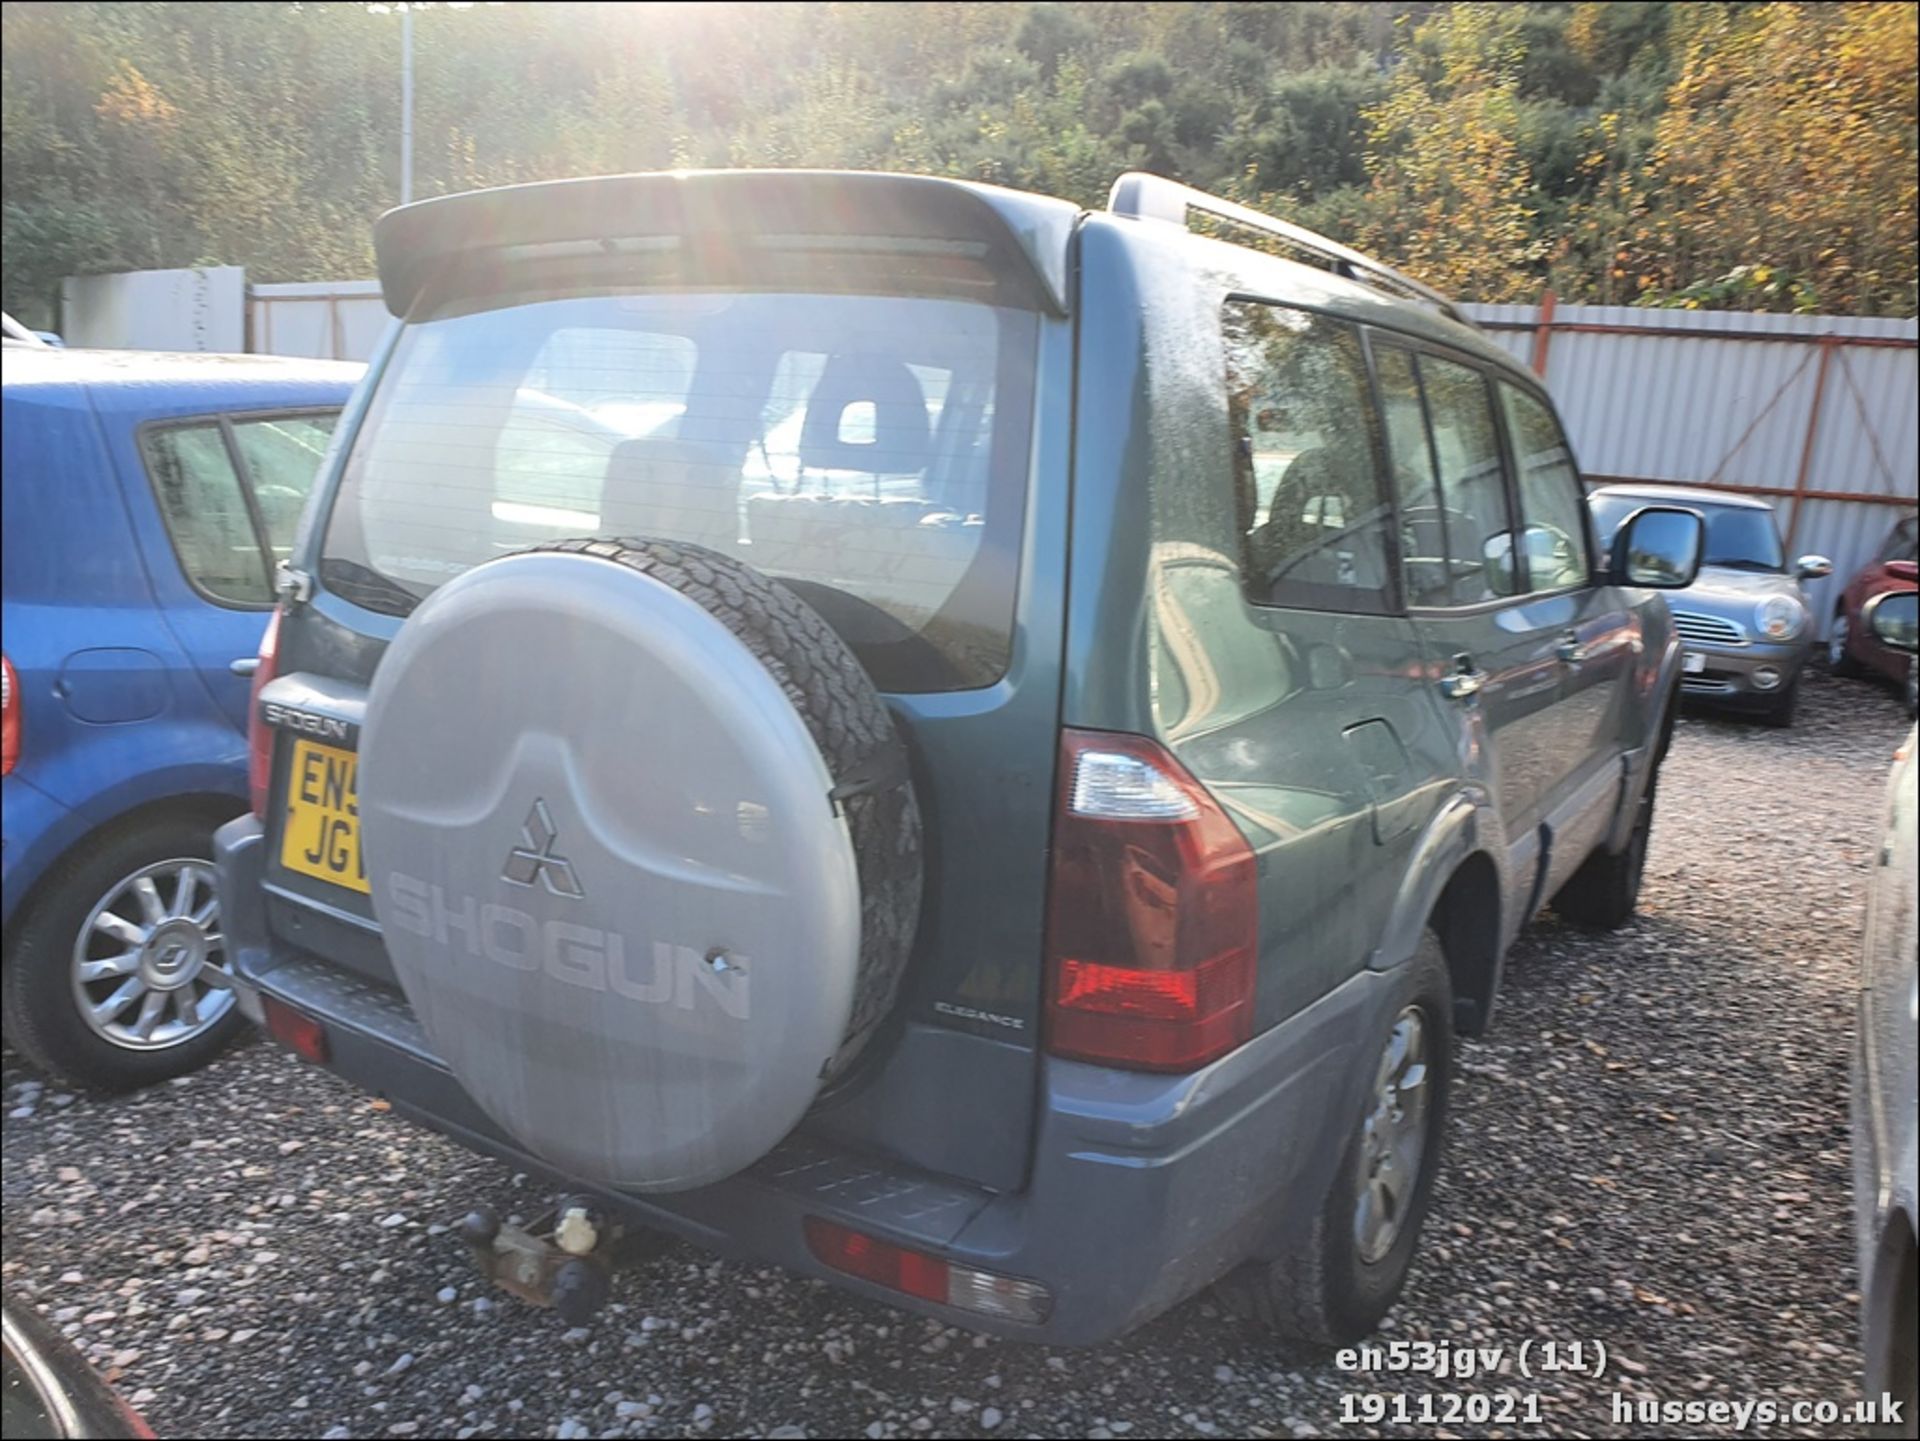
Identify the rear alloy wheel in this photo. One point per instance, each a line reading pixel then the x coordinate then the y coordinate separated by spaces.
pixel 1840 660
pixel 149 965
pixel 118 976
pixel 1337 1275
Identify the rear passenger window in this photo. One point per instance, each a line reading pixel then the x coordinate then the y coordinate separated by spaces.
pixel 205 508
pixel 1553 508
pixel 1423 520
pixel 282 454
pixel 1314 518
pixel 1473 490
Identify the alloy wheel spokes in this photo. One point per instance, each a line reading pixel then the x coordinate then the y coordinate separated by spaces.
pixel 1393 1138
pixel 161 980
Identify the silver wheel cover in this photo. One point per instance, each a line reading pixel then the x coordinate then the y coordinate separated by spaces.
pixel 149 966
pixel 608 872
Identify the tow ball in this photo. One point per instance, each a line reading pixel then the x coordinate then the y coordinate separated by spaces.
pixel 564 1258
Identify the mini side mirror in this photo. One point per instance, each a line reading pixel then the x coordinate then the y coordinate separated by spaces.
pixel 1658 546
pixel 1814 567
pixel 1894 618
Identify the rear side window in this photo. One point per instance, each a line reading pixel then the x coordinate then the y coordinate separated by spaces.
pixel 1473 491
pixel 231 510
pixel 1553 506
pixel 281 454
pixel 870 451
pixel 1314 517
pixel 205 507
pixel 1423 519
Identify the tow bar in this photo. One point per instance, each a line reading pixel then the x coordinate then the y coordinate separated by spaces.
pixel 564 1259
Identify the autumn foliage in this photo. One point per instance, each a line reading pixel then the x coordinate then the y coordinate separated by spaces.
pixel 1758 156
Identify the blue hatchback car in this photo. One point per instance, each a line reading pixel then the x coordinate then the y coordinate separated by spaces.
pixel 147 499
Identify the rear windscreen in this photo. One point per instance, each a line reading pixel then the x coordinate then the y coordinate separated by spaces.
pixel 869 451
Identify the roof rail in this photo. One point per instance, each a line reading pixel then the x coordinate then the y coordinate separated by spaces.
pixel 1154 197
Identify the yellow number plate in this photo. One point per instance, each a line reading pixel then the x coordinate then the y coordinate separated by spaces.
pixel 322 834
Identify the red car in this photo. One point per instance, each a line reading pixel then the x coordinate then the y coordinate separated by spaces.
pixel 1851 648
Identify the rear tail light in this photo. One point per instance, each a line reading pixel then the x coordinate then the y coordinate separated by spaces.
pixel 915 1273
pixel 302 1035
pixel 259 733
pixel 9 717
pixel 1152 912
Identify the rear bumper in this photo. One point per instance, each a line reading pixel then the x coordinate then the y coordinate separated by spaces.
pixel 1730 674
pixel 1142 1190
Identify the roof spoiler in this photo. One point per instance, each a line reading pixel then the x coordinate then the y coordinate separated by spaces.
pixel 1022 238
pixel 1152 197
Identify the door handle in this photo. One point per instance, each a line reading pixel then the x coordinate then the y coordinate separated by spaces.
pixel 1466 680
pixel 1570 650
pixel 246 665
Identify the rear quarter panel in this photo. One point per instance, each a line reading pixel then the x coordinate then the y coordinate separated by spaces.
pixel 1255 701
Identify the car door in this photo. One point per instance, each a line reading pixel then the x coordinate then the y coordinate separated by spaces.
pixel 1490 647
pixel 229 492
pixel 1595 631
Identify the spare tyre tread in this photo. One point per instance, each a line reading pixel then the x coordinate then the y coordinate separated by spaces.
pixel 847 720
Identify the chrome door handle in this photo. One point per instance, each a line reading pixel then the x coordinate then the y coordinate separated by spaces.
pixel 246 665
pixel 1570 650
pixel 1465 682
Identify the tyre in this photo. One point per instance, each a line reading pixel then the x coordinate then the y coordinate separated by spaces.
pixel 1840 658
pixel 1785 708
pixel 117 977
pixel 659 891
pixel 1602 894
pixel 1342 1272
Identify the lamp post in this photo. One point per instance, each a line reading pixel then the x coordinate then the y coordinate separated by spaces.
pixel 406 103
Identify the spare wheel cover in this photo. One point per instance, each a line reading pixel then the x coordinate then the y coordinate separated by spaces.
pixel 606 862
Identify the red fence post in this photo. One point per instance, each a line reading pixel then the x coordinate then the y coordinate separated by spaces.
pixel 1827 343
pixel 1543 333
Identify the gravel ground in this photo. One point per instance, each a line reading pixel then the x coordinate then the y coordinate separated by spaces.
pixel 1650 1151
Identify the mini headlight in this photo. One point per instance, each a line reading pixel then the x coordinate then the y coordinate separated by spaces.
pixel 1779 617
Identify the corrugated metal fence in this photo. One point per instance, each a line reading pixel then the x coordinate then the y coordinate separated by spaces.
pixel 1819 414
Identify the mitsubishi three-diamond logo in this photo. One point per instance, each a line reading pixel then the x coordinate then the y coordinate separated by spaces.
pixel 533 859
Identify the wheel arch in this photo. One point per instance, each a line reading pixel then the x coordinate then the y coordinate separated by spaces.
pixel 212 806
pixel 1455 885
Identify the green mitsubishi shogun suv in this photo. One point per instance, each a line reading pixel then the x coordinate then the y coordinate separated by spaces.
pixel 977 749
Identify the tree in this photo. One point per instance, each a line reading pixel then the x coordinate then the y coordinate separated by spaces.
pixel 1788 147
pixel 1449 192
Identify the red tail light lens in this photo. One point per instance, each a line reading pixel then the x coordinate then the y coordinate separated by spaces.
pixel 880 1262
pixel 302 1035
pixel 915 1273
pixel 9 717
pixel 1152 912
pixel 259 733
